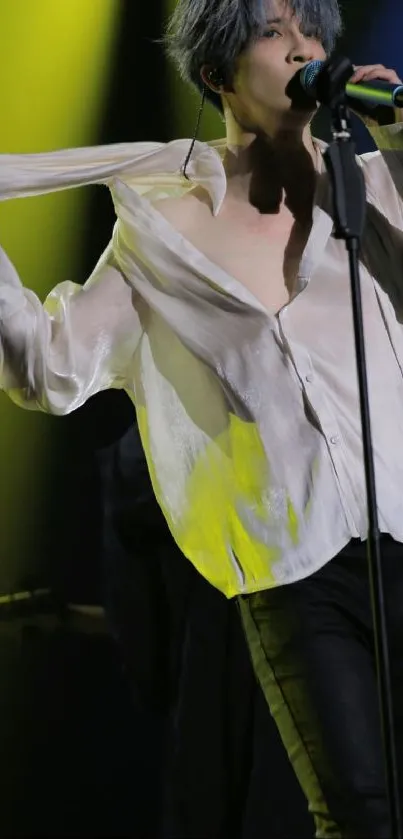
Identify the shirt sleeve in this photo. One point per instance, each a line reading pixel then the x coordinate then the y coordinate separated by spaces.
pixel 55 356
pixel 384 171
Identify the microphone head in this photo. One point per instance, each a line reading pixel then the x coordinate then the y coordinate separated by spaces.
pixel 309 75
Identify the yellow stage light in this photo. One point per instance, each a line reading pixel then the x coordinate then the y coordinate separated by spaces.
pixel 55 63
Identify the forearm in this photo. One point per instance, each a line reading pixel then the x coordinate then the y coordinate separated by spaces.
pixel 55 356
pixel 42 365
pixel 22 320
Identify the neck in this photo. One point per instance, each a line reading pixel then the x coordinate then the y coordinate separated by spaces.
pixel 271 171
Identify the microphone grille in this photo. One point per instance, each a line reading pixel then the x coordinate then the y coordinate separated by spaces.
pixel 309 75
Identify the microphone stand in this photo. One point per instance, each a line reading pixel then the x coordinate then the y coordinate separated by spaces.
pixel 349 197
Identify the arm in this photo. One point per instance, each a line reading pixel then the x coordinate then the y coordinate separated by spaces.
pixel 384 171
pixel 55 356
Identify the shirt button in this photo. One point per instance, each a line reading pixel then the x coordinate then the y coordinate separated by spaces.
pixel 309 378
pixel 335 440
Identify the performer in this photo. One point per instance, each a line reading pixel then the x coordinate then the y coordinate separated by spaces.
pixel 222 306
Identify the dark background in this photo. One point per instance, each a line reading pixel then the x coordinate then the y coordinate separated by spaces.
pixel 80 757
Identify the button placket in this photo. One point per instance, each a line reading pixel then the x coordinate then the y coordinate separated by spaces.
pixel 305 372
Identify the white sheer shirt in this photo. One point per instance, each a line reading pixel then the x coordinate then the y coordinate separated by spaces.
pixel 249 420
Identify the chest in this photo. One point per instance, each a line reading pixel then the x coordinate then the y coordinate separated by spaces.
pixel 265 258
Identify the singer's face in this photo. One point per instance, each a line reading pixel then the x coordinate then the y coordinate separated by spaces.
pixel 265 70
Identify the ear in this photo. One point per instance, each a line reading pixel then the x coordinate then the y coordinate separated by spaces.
pixel 212 78
pixel 215 80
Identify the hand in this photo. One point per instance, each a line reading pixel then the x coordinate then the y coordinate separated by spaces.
pixel 380 115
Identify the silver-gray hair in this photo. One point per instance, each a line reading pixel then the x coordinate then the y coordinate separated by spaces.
pixel 216 32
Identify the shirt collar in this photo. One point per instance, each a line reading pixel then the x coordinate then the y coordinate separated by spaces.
pixel 206 168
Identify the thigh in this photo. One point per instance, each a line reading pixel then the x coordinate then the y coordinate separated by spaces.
pixel 318 675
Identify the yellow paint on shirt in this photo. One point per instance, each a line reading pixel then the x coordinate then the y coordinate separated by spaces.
pixel 229 480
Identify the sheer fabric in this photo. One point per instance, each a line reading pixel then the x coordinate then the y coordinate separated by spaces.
pixel 249 420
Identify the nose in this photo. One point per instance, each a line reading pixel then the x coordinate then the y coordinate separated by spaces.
pixel 303 51
pixel 302 56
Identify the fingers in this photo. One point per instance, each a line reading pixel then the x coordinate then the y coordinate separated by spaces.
pixel 371 72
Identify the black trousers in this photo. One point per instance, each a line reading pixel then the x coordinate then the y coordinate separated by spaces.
pixel 221 770
pixel 312 646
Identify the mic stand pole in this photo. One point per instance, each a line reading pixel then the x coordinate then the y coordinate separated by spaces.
pixel 349 196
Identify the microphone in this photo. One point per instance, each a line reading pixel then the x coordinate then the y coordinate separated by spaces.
pixel 372 94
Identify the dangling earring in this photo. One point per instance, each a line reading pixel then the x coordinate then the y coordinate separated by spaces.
pixel 199 117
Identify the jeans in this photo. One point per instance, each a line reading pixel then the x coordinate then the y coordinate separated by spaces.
pixel 312 646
